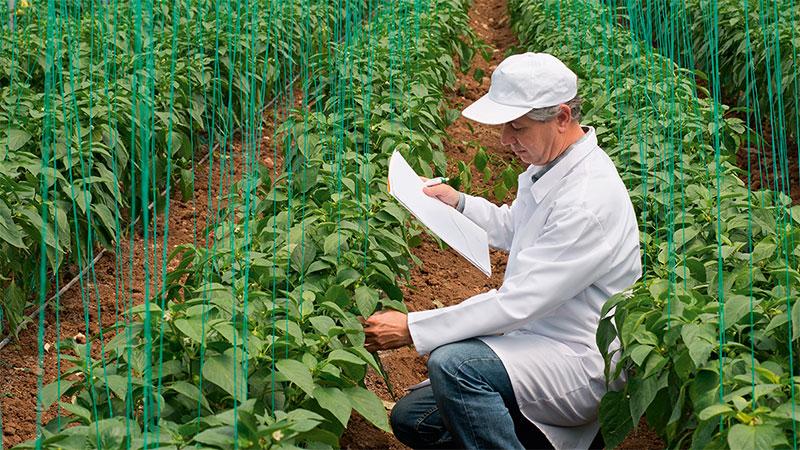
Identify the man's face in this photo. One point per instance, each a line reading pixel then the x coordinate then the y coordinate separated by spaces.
pixel 532 141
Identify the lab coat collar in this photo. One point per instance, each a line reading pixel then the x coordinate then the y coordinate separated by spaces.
pixel 549 180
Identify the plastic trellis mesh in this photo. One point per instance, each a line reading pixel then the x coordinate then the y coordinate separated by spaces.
pixel 699 87
pixel 135 107
pixel 116 114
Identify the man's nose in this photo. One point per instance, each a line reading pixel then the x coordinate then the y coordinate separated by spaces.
pixel 505 136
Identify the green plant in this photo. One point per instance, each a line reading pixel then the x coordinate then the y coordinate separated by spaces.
pixel 255 342
pixel 70 176
pixel 707 335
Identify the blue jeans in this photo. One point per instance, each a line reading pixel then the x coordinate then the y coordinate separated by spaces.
pixel 469 404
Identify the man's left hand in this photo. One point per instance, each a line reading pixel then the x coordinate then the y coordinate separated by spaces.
pixel 386 330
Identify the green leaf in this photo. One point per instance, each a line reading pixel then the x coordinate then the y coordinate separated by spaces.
pixel 9 230
pixel 118 385
pixel 615 418
pixel 478 74
pixel 684 235
pixel 49 393
pixel 191 392
pixel 332 242
pixel 344 355
pixel 757 436
pixel 106 217
pixel 704 389
pixel 303 255
pixel 338 295
pixel 640 352
pixel 700 342
pixel 298 374
pixel 219 369
pixel 367 356
pixel 78 411
pixel 500 191
pixel 14 140
pixel 395 211
pixel 303 420
pixel 334 400
pixel 142 309
pixel 317 266
pixel 370 406
pixel 763 250
pixel 191 327
pixel 108 433
pixel 796 320
pixel 347 276
pixel 480 160
pixel 322 324
pixel 643 392
pixel 222 437
pixel 736 307
pixel 509 177
pixel 185 183
pixel 713 411
pixel 366 300
pixel 13 306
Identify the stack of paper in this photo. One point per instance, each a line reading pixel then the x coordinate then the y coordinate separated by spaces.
pixel 460 233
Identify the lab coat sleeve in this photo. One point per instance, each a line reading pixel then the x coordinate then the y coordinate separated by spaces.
pixel 497 221
pixel 570 254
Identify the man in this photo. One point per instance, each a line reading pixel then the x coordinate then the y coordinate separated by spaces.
pixel 513 364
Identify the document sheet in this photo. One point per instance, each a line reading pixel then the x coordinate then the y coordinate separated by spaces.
pixel 460 233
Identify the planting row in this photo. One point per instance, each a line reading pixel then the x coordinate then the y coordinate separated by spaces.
pixel 758 47
pixel 707 334
pixel 255 342
pixel 81 118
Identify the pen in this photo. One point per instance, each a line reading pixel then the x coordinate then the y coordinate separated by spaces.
pixel 435 181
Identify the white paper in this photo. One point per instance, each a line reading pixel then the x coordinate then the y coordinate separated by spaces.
pixel 460 233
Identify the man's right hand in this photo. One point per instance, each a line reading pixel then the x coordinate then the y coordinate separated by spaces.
pixel 444 192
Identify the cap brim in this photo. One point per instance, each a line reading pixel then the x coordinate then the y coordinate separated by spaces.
pixel 489 112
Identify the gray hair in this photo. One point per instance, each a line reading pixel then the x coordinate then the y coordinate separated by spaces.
pixel 549 113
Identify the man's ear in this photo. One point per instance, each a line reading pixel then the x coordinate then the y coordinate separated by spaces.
pixel 564 116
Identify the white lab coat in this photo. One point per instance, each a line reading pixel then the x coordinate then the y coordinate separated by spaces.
pixel 573 241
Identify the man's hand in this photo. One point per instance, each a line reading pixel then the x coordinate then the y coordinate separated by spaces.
pixel 445 193
pixel 386 330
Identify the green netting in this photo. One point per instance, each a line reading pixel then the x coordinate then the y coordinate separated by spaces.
pixel 693 100
pixel 246 335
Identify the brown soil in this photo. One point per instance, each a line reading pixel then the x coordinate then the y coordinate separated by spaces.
pixel 761 160
pixel 446 278
pixel 109 287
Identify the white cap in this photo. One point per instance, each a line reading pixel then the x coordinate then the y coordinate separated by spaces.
pixel 522 83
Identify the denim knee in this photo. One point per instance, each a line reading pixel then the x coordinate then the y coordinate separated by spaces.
pixel 446 361
pixel 443 362
pixel 402 419
pixel 411 423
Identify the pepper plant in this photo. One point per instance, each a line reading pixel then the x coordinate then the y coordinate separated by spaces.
pixel 707 336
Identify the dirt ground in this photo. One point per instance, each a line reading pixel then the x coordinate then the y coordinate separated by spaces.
pixel 761 160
